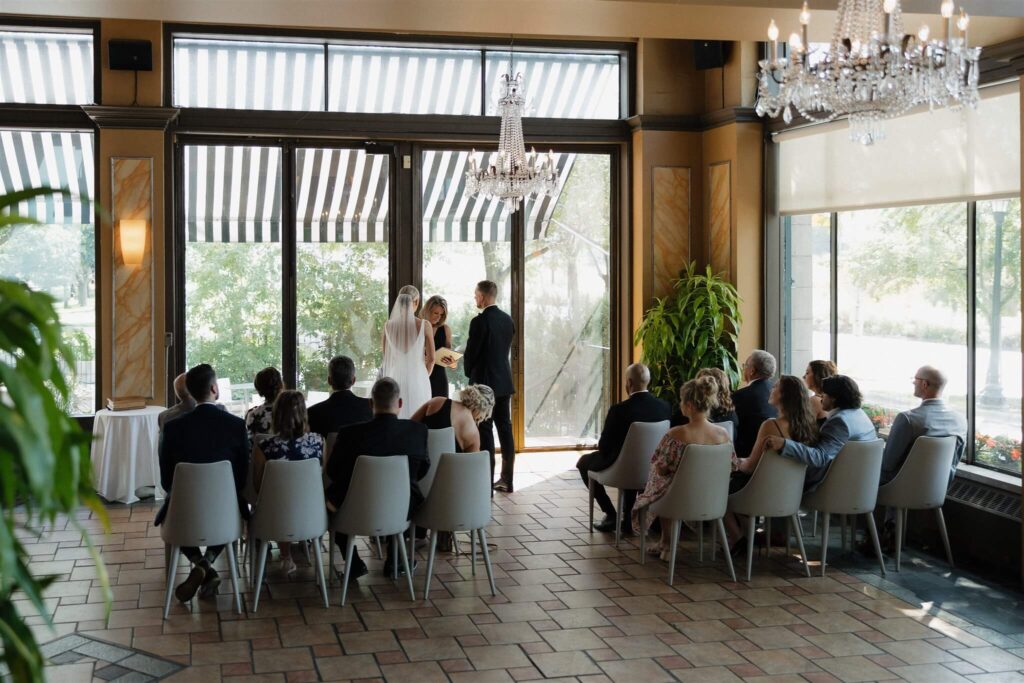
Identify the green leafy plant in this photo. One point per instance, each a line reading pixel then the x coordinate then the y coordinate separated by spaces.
pixel 694 327
pixel 44 454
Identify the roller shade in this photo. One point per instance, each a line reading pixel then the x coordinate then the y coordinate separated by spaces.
pixel 925 158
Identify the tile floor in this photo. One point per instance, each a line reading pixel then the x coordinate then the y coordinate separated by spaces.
pixel 570 607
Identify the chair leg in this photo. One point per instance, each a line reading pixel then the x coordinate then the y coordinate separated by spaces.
pixel 320 570
pixel 814 524
pixel 643 535
pixel 906 526
pixel 472 553
pixel 412 542
pixel 751 523
pixel 700 542
pixel 487 560
pixel 380 553
pixel 800 542
pixel 618 518
pixel 590 490
pixel 400 542
pixel 676 528
pixel 430 563
pixel 900 519
pixel 717 529
pixel 945 535
pixel 874 540
pixel 172 569
pixel 350 549
pixel 824 539
pixel 167 560
pixel 261 566
pixel 233 564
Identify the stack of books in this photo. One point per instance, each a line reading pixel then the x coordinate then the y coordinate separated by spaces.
pixel 126 403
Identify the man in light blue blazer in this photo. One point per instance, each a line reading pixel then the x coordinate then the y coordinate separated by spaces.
pixel 846 422
pixel 933 417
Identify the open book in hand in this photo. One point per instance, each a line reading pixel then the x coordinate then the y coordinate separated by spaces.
pixel 447 357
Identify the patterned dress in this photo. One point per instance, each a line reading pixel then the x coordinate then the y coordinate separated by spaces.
pixel 309 445
pixel 258 420
pixel 664 464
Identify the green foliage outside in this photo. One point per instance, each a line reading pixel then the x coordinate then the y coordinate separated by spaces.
pixel 44 455
pixel 694 327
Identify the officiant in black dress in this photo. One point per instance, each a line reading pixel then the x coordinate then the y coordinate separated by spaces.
pixel 487 362
pixel 435 311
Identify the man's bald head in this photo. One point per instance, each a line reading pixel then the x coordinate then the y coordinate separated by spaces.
pixel 638 376
pixel 929 382
pixel 180 390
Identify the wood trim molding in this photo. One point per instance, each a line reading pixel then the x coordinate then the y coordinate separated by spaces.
pixel 692 123
pixel 138 118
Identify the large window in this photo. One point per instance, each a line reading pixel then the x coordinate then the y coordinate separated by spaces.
pixel 58 254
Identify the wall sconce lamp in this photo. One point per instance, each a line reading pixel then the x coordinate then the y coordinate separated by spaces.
pixel 133 240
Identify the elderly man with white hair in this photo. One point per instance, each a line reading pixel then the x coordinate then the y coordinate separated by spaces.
pixel 933 417
pixel 751 402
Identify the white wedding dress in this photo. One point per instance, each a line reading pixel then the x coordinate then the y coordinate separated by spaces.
pixel 403 356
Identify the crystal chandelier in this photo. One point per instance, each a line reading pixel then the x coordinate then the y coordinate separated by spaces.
pixel 514 175
pixel 871 71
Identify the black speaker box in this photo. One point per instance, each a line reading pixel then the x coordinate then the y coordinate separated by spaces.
pixel 709 54
pixel 130 55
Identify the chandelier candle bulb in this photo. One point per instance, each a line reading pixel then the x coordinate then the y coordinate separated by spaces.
pixel 962 24
pixel 947 16
pixel 805 19
pixel 773 36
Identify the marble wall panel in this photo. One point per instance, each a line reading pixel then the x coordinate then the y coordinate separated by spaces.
pixel 670 210
pixel 720 218
pixel 132 362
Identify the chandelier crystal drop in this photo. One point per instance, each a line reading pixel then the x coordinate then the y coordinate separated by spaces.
pixel 514 174
pixel 872 71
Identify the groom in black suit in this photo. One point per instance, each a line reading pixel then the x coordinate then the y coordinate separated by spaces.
pixel 487 362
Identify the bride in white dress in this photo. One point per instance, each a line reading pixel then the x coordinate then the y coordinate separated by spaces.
pixel 408 352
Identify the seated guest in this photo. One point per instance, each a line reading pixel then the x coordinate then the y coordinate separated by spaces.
pixel 724 411
pixel 751 402
pixel 384 435
pixel 933 417
pixel 342 407
pixel 846 422
pixel 641 406
pixel 185 403
pixel 697 399
pixel 207 434
pixel 465 415
pixel 268 384
pixel 291 440
pixel 817 372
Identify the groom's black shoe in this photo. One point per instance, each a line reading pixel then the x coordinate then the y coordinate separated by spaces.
pixel 607 524
pixel 502 486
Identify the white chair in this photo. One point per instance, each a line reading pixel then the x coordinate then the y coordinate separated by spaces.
pixel 921 484
pixel 460 500
pixel 774 490
pixel 699 493
pixel 727 426
pixel 850 487
pixel 630 469
pixel 377 504
pixel 290 508
pixel 438 441
pixel 202 510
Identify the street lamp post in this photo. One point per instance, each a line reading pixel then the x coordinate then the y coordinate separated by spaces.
pixel 992 394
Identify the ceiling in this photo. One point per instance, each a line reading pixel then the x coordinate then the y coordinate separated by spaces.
pixel 994 20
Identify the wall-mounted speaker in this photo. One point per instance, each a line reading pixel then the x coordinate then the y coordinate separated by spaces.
pixel 710 54
pixel 129 55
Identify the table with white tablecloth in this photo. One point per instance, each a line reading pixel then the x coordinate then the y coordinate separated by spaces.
pixel 124 453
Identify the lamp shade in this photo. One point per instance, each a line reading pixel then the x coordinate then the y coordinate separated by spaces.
pixel 133 240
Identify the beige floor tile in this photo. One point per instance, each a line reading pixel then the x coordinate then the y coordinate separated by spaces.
pixel 555 664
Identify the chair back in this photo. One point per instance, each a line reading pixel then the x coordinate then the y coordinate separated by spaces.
pixel 923 479
pixel 438 441
pixel 774 490
pixel 377 502
pixel 460 499
pixel 850 486
pixel 203 506
pixel 291 502
pixel 727 426
pixel 631 468
pixel 700 487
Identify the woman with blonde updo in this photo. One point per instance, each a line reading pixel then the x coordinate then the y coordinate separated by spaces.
pixel 697 399
pixel 475 404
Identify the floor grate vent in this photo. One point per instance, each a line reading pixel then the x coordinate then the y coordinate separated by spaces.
pixel 990 499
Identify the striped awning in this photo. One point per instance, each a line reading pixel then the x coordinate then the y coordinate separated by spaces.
pixel 46 68
pixel 57 159
pixel 233 194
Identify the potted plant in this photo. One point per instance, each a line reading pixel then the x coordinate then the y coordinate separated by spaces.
pixel 44 455
pixel 695 327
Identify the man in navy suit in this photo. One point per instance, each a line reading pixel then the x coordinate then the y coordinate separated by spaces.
pixel 342 407
pixel 751 402
pixel 641 406
pixel 487 362
pixel 207 434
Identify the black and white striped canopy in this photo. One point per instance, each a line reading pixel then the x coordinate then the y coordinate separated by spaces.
pixel 233 194
pixel 50 159
pixel 46 68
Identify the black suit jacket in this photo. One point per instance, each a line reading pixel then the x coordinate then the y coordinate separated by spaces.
pixel 752 408
pixel 340 409
pixel 382 436
pixel 487 350
pixel 207 434
pixel 642 406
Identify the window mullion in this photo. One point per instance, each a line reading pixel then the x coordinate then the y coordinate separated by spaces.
pixel 833 286
pixel 971 309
